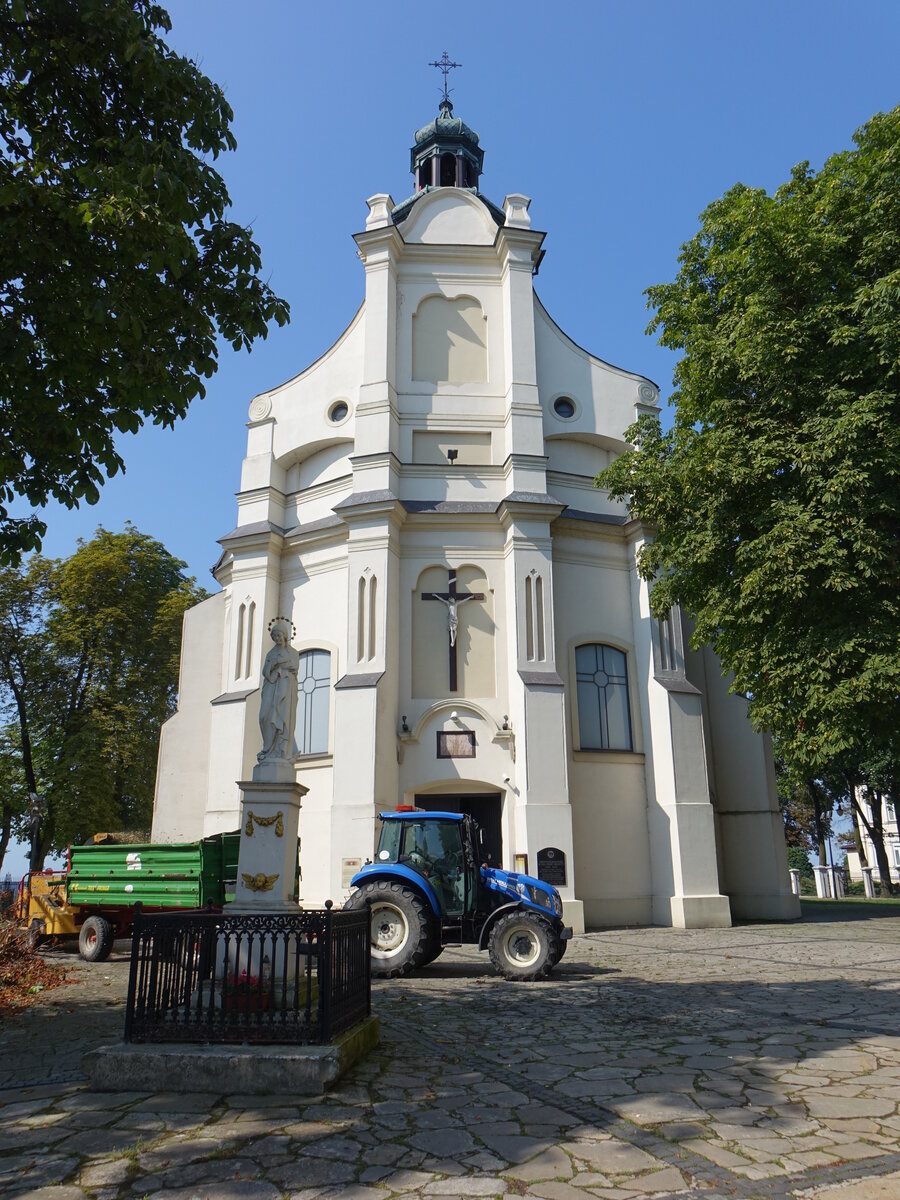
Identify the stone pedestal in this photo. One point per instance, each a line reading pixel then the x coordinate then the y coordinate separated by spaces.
pixel 267 858
pixel 868 883
pixel 795 881
pixel 829 883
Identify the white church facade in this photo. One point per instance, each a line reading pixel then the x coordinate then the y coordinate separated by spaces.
pixel 472 630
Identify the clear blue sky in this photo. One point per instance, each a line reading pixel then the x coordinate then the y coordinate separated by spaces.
pixel 621 119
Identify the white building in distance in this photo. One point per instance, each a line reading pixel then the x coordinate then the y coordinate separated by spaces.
pixel 473 632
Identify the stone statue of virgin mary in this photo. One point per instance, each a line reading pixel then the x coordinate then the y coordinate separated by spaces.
pixel 278 702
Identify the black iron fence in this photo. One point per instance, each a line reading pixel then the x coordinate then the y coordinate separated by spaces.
pixel 239 977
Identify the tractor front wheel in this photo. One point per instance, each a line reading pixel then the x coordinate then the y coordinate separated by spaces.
pixel 95 940
pixel 522 946
pixel 402 937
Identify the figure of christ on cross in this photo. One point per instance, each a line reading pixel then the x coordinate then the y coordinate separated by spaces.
pixel 453 599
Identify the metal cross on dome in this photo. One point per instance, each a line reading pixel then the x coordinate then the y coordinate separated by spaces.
pixel 445 65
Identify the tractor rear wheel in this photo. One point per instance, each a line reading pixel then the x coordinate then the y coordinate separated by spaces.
pixel 95 941
pixel 522 946
pixel 403 934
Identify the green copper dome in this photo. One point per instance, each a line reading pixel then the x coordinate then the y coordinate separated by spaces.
pixel 445 125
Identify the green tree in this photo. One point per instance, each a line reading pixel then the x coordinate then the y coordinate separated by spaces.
pixel 89 650
pixel 119 270
pixel 773 501
pixel 806 808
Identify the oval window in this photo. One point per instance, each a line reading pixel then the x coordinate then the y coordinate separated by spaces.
pixel 564 407
pixel 338 411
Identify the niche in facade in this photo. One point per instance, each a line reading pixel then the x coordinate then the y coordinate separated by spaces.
pixel 449 341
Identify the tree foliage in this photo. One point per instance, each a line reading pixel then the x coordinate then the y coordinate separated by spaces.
pixel 119 268
pixel 89 650
pixel 774 498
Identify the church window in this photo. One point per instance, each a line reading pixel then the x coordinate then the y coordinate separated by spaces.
pixel 448 170
pixel 366 626
pixel 373 594
pixel 604 718
pixel 534 617
pixel 251 621
pixel 361 619
pixel 239 651
pixel 338 411
pixel 667 661
pixel 243 655
pixel 313 702
pixel 564 407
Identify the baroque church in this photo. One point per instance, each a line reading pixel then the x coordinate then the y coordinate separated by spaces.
pixel 473 633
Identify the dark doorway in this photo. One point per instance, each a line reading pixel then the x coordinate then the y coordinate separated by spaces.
pixel 485 810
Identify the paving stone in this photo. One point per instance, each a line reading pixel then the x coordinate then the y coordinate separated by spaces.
pixel 880 1187
pixel 612 1157
pixel 355 1191
pixel 311 1172
pixel 556 1190
pixel 443 1142
pixel 820 1105
pixel 714 1152
pixel 552 1164
pixel 48 1193
pixel 237 1189
pixel 408 1181
pixel 668 1180
pixel 468 1185
pixel 513 1148
pixel 654 1110
pixel 102 1174
pixel 343 1148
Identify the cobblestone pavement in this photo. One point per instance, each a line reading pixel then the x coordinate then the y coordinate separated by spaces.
pixel 755 1063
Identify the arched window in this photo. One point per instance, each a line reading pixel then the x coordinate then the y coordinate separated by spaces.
pixel 313 702
pixel 604 716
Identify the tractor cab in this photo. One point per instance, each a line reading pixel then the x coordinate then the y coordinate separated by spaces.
pixel 427 889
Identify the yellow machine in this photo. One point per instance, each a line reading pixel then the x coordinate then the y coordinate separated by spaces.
pixel 41 905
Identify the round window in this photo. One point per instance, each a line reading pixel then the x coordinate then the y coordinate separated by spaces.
pixel 564 407
pixel 338 411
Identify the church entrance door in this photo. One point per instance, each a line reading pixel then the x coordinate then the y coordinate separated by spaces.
pixel 486 811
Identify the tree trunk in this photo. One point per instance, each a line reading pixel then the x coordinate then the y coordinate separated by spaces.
pixel 875 830
pixel 857 836
pixel 5 834
pixel 819 811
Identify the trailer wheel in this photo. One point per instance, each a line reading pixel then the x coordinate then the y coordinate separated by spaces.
pixel 521 946
pixel 95 940
pixel 37 932
pixel 402 937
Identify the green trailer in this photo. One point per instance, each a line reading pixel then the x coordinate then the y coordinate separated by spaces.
pixel 96 894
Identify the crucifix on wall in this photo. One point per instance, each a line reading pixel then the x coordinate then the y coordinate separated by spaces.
pixel 453 598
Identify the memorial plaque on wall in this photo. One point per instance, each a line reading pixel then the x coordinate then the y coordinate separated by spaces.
pixel 456 743
pixel 551 866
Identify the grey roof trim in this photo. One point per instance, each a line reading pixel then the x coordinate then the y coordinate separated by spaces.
pixel 363 680
pixel 542 679
pixel 356 499
pixel 401 211
pixel 582 514
pixel 677 683
pixel 252 530
pixel 314 526
pixel 449 506
pixel 531 498
pixel 234 697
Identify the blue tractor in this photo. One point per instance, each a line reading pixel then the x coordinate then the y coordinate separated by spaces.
pixel 427 889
